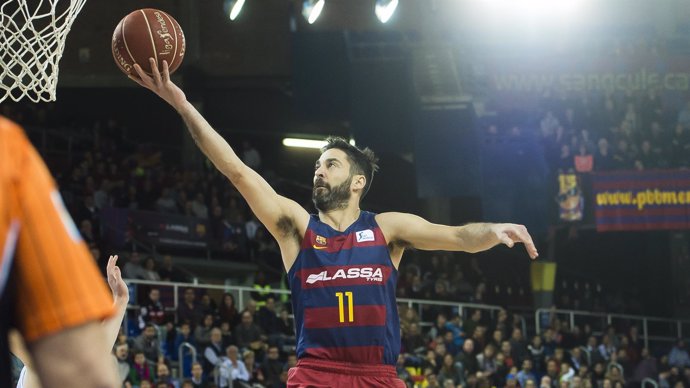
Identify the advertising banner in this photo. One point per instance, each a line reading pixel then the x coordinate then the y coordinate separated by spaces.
pixel 642 200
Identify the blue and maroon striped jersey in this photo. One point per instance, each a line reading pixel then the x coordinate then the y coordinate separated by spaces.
pixel 343 294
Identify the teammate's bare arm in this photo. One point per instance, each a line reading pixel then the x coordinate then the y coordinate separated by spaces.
pixel 284 218
pixel 403 229
pixel 120 301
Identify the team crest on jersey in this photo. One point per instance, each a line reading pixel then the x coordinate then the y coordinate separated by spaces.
pixel 365 235
pixel 321 240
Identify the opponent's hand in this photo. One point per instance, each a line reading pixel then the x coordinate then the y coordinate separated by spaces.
pixel 117 285
pixel 159 83
pixel 509 234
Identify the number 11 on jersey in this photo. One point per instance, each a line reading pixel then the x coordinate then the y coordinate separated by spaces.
pixel 350 306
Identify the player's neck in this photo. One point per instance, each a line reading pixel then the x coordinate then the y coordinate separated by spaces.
pixel 340 219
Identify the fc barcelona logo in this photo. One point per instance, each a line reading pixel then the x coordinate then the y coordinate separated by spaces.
pixel 321 240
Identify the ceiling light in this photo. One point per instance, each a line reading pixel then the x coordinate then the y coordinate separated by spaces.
pixel 384 9
pixel 233 8
pixel 311 9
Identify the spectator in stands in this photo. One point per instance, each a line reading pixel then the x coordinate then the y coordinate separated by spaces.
pixel 646 160
pixel 598 374
pixel 584 160
pixel 122 358
pixel 150 268
pixel 565 161
pixel 449 342
pixel 486 363
pixel 606 348
pixel 248 334
pixel 184 334
pixel 227 312
pixel 467 358
pixel 680 146
pixel 267 318
pixel 603 159
pixel 148 343
pixel 199 208
pixel 272 367
pixel 552 372
pixel 208 305
pixel 166 203
pixel 168 273
pixel 678 357
pixel 471 324
pixel 213 352
pixel 545 382
pixel 133 268
pixel 152 310
pixel 451 370
pixel 577 359
pixel 198 379
pixel 256 376
pixel 163 376
pixel 87 233
pixel 232 369
pixel 286 326
pixel 536 353
pixel 140 369
pixel 189 310
pixel 518 346
pixel 413 342
pixel 623 156
pixel 226 333
pixel 615 374
pixel 525 373
pixel 202 333
pixel 250 156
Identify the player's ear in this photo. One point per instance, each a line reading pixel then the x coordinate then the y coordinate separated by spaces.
pixel 358 182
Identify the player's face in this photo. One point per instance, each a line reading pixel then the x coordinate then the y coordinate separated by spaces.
pixel 332 181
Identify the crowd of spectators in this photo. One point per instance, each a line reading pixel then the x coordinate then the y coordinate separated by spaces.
pixel 582 132
pixel 484 351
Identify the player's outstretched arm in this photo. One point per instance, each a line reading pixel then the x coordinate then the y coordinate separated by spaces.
pixel 271 209
pixel 415 231
pixel 120 301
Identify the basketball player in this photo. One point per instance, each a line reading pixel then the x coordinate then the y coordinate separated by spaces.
pixel 342 263
pixel 27 378
pixel 50 288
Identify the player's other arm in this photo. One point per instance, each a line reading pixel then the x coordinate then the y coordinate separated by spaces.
pixel 410 230
pixel 120 300
pixel 271 209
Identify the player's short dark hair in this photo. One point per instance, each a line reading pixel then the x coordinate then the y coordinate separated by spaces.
pixel 362 161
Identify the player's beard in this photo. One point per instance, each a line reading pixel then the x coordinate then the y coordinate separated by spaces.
pixel 331 198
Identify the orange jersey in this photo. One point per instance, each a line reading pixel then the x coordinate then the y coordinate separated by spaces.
pixel 57 283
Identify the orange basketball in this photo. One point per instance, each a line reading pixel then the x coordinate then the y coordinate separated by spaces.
pixel 148 33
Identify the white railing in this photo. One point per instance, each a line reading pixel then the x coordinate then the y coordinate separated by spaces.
pixel 241 294
pixel 609 319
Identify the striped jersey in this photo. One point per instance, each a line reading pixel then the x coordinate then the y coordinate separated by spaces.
pixel 343 294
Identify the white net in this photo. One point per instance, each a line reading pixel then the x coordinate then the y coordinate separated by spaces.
pixel 32 40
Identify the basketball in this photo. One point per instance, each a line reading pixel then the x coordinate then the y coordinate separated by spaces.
pixel 148 33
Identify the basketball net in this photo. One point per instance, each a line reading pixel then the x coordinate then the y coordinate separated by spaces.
pixel 32 40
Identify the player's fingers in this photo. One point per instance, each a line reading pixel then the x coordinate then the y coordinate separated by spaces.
pixel 143 77
pixel 137 80
pixel 166 72
pixel 111 261
pixel 505 239
pixel 523 236
pixel 155 72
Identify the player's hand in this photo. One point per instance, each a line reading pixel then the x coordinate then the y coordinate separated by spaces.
pixel 159 83
pixel 117 285
pixel 509 234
